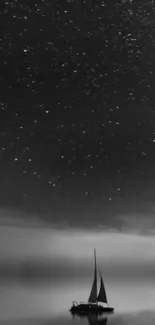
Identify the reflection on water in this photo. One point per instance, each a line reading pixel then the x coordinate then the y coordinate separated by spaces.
pixel 93 319
pixel 143 318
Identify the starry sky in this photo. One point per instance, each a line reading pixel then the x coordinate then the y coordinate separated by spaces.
pixel 77 117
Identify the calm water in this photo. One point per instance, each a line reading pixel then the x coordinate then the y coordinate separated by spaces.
pixel 23 304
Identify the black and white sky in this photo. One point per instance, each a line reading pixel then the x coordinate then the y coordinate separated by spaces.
pixel 77 135
pixel 77 107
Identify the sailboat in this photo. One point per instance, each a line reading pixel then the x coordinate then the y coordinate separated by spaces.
pixel 93 304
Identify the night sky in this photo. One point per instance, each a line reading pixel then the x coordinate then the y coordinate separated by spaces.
pixel 77 116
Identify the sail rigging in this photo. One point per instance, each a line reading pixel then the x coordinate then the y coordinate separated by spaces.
pixel 93 293
pixel 102 297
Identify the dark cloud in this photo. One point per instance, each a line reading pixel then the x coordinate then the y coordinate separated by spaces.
pixel 140 222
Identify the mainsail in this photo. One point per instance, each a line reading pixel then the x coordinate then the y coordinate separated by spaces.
pixel 102 297
pixel 93 293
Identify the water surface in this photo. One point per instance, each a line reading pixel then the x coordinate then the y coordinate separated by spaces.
pixel 46 304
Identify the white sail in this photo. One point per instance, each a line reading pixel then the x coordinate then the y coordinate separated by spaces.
pixel 102 297
pixel 93 293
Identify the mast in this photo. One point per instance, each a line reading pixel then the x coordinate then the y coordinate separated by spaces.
pixel 102 297
pixel 93 293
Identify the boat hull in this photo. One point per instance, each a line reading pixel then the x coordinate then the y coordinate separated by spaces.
pixel 96 309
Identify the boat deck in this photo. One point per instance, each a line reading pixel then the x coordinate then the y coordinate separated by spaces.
pixel 88 308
